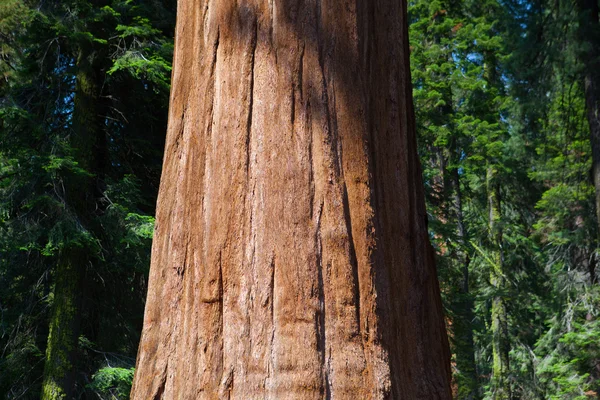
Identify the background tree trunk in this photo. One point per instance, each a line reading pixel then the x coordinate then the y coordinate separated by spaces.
pixel 291 256
pixel 59 367
pixel 468 383
pixel 500 340
pixel 80 200
pixel 589 33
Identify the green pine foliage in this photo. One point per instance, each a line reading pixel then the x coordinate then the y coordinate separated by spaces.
pixel 43 170
pixel 112 383
pixel 501 121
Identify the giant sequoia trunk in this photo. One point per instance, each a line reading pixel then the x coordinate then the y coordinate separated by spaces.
pixel 291 256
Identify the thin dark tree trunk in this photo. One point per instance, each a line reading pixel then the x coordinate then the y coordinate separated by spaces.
pixel 590 37
pixel 468 386
pixel 80 195
pixel 501 388
pixel 291 257
pixel 500 341
pixel 61 357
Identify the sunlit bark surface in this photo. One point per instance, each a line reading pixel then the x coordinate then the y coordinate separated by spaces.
pixel 291 257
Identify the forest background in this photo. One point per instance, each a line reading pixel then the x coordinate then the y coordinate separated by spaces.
pixel 508 121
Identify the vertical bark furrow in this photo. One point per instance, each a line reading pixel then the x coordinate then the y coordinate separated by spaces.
pixel 251 100
pixel 160 389
pixel 320 317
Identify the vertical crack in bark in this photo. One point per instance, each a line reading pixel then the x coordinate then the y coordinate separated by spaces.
pixel 271 366
pixel 332 116
pixel 311 167
pixel 318 27
pixel 179 134
pixel 215 52
pixel 227 385
pixel 272 286
pixel 353 260
pixel 160 389
pixel 253 45
pixel 180 269
pixel 205 15
pixel 221 311
pixel 320 318
pixel 326 351
pixel 301 70
pixel 251 289
pixel 293 107
pixel 297 86
pixel 249 192
pixel 272 14
pixel 212 79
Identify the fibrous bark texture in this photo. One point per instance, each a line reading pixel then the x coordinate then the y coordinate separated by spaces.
pixel 291 256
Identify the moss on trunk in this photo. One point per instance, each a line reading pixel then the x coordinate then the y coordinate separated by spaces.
pixel 64 328
pixel 500 342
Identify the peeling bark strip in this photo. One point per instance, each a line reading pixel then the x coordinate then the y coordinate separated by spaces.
pixel 291 195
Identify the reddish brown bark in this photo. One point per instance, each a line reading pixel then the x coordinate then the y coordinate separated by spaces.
pixel 291 257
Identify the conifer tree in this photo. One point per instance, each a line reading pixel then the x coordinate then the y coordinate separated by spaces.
pixel 76 210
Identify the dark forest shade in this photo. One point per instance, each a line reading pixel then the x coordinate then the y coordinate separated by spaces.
pixel 83 105
pixel 81 193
